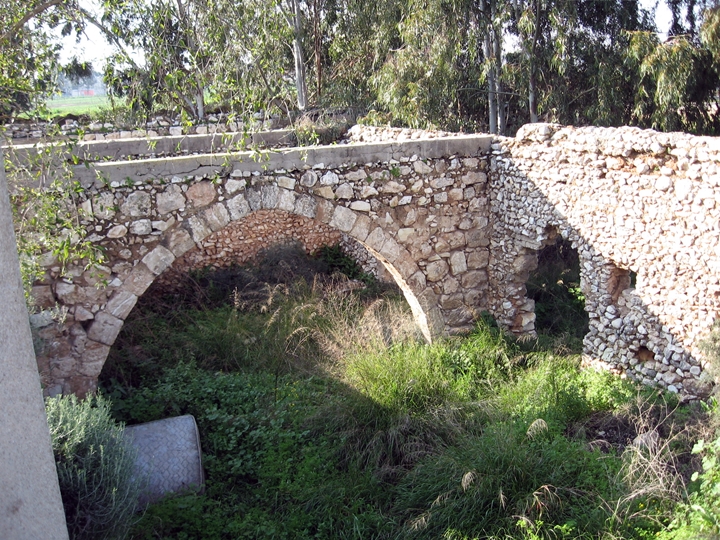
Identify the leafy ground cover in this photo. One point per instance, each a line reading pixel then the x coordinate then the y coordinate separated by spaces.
pixel 323 415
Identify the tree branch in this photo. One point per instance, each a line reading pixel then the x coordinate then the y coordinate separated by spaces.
pixel 29 15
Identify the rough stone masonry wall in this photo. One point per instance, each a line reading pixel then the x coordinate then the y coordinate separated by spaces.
pixel 424 219
pixel 628 200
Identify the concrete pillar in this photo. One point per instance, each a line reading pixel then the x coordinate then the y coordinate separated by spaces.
pixel 30 503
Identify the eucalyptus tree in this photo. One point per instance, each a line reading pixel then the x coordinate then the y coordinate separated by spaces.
pixel 679 79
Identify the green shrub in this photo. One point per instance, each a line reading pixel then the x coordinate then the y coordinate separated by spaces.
pixel 95 468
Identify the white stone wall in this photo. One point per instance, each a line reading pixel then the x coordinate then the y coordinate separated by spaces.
pixel 628 200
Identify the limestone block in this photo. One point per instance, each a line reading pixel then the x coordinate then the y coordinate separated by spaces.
pixel 158 259
pixel 121 304
pixel 392 187
pixel 269 196
pixel 417 281
pixel 42 296
pixel 442 182
pixel 81 314
pixel 344 191
pixel 325 211
pixel 478 259
pixel 286 200
pixel 139 279
pixel 477 238
pixel 175 131
pixel 104 329
pixel 104 206
pixel 238 207
pixel 421 167
pixel 179 241
pixel 170 200
pixel 376 239
pixel 93 358
pixel 69 293
pixel 309 179
pixel 216 217
pixel 405 234
pixel 474 177
pixel 440 197
pixel 63 367
pixel 201 194
pixel 343 219
pixel 325 192
pixel 361 228
pixel 329 179
pixel 199 229
pixel 452 301
pixel 405 264
pixel 254 198
pixel 356 176
pixel 118 231
pixel 306 206
pixel 458 264
pixel 360 206
pixel 390 249
pixel 436 270
pixel 233 186
pixel 470 163
pixel 141 227
pixel 286 182
pixel 137 204
pixel 368 191
pixel 473 278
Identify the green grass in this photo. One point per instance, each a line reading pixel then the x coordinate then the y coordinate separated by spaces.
pixel 323 415
pixel 60 106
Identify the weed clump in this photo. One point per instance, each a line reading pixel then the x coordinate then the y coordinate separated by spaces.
pixel 95 467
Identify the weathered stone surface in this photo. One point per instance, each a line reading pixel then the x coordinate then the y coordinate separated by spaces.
pixel 286 182
pixel 343 219
pixel 139 279
pixel 158 259
pixel 104 329
pixel 179 241
pixel 118 231
pixel 344 191
pixel 436 270
pixel 170 200
pixel 201 194
pixel 137 204
pixel 141 227
pixel 360 206
pixel 238 207
pixel 286 200
pixel 305 205
pixel 121 304
pixel 458 264
pixel 199 228
pixel 216 217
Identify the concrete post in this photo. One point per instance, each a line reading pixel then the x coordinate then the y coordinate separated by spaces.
pixel 30 503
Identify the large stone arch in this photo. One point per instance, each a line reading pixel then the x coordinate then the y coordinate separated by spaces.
pixel 136 257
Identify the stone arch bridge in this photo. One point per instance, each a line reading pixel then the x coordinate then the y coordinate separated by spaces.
pixel 457 221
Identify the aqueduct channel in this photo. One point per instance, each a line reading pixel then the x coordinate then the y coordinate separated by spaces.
pixel 457 221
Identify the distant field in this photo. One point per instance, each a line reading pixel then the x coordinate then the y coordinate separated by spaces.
pixel 77 105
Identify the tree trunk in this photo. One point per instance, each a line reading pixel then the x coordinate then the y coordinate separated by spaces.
pixel 492 90
pixel 299 58
pixel 500 96
pixel 200 104
pixel 532 83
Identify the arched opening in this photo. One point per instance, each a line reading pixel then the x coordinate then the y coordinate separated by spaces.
pixel 555 288
pixel 247 266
